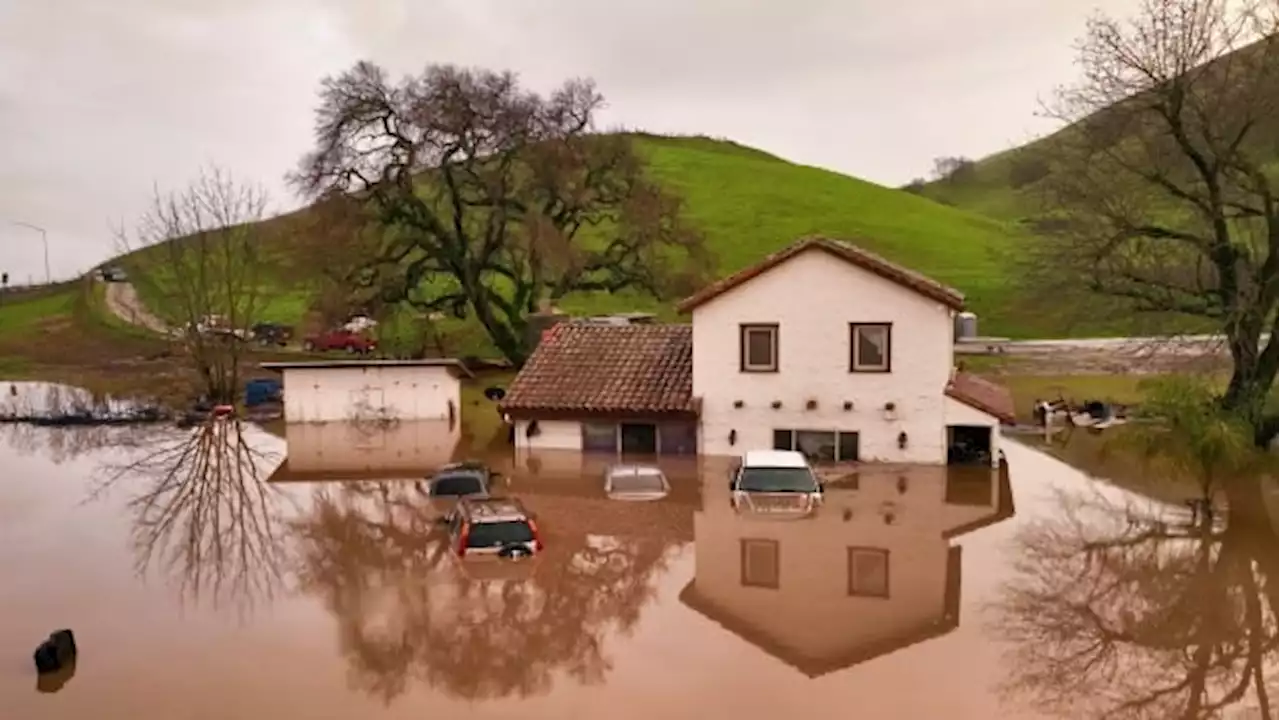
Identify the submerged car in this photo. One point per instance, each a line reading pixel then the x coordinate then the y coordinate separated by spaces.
pixel 456 481
pixel 775 482
pixel 635 482
pixel 493 529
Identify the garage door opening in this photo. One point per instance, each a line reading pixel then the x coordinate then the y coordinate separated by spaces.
pixel 969 445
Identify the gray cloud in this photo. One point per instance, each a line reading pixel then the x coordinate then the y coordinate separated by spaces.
pixel 101 101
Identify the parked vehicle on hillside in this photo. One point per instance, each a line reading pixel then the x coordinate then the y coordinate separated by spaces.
pixel 339 340
pixel 359 323
pixel 775 482
pixel 114 274
pixel 266 333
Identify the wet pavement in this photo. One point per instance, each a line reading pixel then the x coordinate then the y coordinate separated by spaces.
pixel 196 590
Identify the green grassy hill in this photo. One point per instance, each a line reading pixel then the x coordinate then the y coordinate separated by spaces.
pixel 750 203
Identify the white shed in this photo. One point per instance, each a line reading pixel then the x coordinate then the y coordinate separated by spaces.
pixel 371 390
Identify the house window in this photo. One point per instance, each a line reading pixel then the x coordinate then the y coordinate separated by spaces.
pixel 678 438
pixel 870 347
pixel 599 437
pixel 758 348
pixel 819 445
pixel 868 572
pixel 760 563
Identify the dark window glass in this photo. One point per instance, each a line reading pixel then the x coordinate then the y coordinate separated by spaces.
pixel 639 438
pixel 456 485
pixel 782 440
pixel 499 534
pixel 678 438
pixel 848 450
pixel 599 437
pixel 817 445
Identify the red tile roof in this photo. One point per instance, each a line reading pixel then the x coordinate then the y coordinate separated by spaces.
pixel 984 395
pixel 852 254
pixel 587 368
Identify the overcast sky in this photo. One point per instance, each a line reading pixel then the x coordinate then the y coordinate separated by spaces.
pixel 101 100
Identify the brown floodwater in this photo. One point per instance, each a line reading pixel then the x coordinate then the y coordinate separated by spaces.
pixel 198 590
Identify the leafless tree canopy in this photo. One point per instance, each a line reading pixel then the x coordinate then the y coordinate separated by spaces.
pixel 201 251
pixel 374 548
pixel 1163 190
pixel 490 198
pixel 203 514
pixel 1131 612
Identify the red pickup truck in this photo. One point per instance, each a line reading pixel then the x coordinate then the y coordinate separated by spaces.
pixel 339 340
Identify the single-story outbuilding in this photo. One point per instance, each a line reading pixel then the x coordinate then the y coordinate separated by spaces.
pixel 371 390
pixel 608 389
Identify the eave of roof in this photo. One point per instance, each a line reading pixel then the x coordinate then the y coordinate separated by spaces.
pixel 852 254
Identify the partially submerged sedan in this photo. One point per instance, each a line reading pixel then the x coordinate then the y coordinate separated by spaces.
pixel 635 482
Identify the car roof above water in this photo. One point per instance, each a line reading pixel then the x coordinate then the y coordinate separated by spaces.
pixel 774 459
pixel 493 510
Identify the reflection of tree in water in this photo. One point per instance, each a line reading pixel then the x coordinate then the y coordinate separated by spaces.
pixel 406 611
pixel 204 513
pixel 65 444
pixel 1123 613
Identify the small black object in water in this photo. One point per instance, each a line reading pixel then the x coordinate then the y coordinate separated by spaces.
pixel 56 653
pixel 52 682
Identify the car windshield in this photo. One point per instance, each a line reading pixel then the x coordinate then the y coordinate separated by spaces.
pixel 777 479
pixel 456 485
pixel 499 534
pixel 635 480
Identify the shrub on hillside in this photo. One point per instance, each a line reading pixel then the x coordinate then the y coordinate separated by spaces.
pixel 1027 168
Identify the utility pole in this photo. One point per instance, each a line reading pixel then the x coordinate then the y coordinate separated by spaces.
pixel 44 240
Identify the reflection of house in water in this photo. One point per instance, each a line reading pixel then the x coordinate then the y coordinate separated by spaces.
pixel 872 573
pixel 367 451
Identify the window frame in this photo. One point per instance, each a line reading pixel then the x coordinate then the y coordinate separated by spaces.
pixel 853 591
pixel 792 445
pixel 744 546
pixel 744 329
pixel 854 365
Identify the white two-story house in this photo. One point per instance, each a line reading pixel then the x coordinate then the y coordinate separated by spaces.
pixel 821 347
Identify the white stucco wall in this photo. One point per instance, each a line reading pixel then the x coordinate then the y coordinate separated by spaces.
pixel 552 435
pixel 813 297
pixel 329 394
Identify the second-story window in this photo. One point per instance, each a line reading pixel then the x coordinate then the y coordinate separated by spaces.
pixel 870 345
pixel 758 348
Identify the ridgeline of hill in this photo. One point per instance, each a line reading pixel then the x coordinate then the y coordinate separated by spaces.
pixel 750 203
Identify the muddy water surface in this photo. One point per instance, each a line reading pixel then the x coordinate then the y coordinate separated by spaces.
pixel 198 591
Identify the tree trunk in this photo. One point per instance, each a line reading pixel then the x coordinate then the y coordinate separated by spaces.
pixel 1253 372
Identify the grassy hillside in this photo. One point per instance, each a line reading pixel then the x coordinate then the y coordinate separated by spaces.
pixel 750 203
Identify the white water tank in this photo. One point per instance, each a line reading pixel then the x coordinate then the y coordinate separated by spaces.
pixel 966 326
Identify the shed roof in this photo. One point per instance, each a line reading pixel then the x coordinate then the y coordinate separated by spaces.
pixel 455 366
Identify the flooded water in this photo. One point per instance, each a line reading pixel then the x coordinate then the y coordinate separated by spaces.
pixel 196 590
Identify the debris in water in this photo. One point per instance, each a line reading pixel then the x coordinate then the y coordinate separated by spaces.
pixel 56 653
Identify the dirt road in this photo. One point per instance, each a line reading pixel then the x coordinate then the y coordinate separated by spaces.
pixel 123 302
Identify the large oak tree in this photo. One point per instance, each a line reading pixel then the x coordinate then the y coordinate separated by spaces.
pixel 492 199
pixel 1163 188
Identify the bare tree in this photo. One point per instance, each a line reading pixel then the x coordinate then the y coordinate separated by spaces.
pixel 201 250
pixel 364 545
pixel 1162 198
pixel 1130 611
pixel 204 513
pixel 490 198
